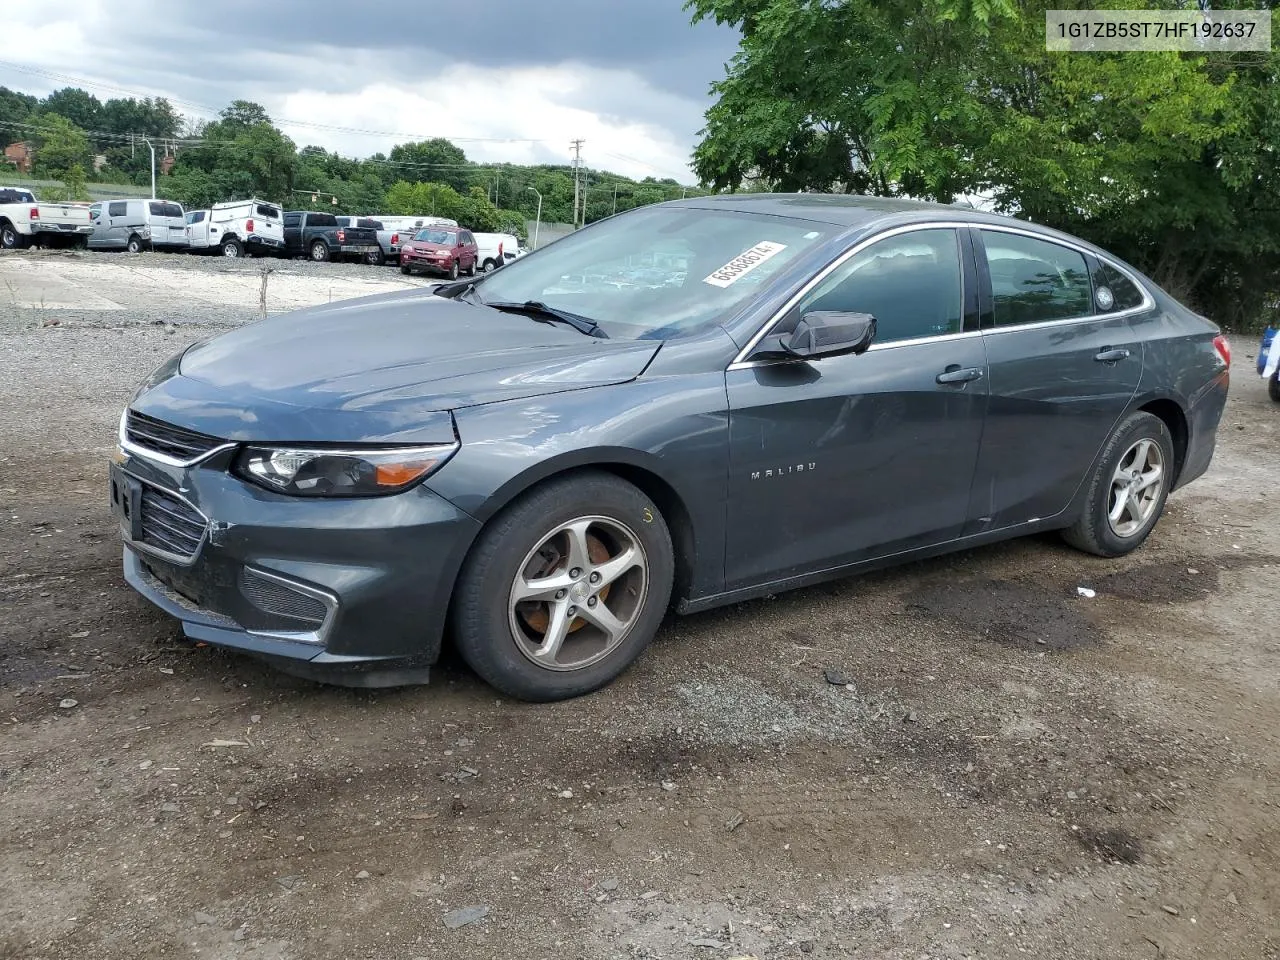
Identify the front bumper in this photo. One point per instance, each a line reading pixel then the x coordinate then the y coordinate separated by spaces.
pixel 426 263
pixel 373 576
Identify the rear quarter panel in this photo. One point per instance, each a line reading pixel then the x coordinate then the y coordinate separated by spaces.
pixel 1181 364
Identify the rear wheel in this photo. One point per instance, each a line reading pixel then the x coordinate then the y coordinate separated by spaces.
pixel 319 251
pixel 135 244
pixel 471 270
pixel 564 588
pixel 10 238
pixel 375 259
pixel 489 265
pixel 1273 387
pixel 1128 490
pixel 232 248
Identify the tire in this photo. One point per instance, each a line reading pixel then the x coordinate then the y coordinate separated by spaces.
pixel 134 245
pixel 497 635
pixel 471 270
pixel 375 259
pixel 233 249
pixel 489 266
pixel 319 251
pixel 10 238
pixel 1273 387
pixel 453 270
pixel 405 270
pixel 1094 531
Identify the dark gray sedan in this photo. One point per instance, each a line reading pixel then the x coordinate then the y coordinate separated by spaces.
pixel 684 406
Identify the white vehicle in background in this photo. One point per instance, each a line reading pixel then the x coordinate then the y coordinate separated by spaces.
pixel 25 220
pixel 496 249
pixel 239 227
pixel 137 225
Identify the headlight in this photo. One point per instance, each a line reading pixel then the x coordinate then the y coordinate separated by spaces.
pixel 304 472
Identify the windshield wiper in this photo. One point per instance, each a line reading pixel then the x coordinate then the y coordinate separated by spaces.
pixel 540 311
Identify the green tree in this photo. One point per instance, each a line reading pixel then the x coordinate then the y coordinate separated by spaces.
pixel 241 157
pixel 436 160
pixel 62 149
pixel 81 108
pixel 15 113
pixel 1166 158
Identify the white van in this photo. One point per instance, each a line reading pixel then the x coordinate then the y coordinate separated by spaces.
pixel 496 249
pixel 233 229
pixel 137 225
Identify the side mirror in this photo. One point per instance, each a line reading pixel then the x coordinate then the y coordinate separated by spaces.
pixel 822 333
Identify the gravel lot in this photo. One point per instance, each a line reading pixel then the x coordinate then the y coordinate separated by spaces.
pixel 1012 770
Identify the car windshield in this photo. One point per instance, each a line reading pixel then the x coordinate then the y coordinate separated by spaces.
pixel 658 272
pixel 435 236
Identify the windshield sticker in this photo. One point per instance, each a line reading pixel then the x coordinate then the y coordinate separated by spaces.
pixel 744 263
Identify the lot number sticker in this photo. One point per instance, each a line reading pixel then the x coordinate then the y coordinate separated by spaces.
pixel 744 263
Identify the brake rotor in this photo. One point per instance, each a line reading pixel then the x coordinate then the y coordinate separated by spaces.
pixel 537 616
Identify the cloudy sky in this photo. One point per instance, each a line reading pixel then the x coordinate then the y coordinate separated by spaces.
pixel 509 80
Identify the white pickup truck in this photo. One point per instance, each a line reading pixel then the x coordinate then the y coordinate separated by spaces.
pixel 24 220
pixel 236 228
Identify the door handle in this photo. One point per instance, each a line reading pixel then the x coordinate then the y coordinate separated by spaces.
pixel 958 374
pixel 1111 356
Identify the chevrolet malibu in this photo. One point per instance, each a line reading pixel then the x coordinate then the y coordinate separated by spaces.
pixel 541 469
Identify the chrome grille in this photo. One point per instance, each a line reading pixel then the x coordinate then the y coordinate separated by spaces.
pixel 176 442
pixel 278 599
pixel 169 523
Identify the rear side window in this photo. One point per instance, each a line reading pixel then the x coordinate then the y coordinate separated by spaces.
pixel 1117 290
pixel 321 220
pixel 16 196
pixel 271 213
pixel 292 219
pixel 118 209
pixel 1035 281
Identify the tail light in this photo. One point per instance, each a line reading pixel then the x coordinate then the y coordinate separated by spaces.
pixel 395 239
pixel 1223 346
pixel 35 213
pixel 248 225
pixel 499 248
pixel 342 236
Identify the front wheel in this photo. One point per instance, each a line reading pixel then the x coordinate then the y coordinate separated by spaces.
pixel 1273 387
pixel 564 588
pixel 404 269
pixel 1128 490
pixel 319 251
pixel 453 270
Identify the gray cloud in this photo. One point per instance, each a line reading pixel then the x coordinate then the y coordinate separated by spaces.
pixel 657 67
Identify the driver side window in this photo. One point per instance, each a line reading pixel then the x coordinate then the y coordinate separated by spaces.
pixel 911 283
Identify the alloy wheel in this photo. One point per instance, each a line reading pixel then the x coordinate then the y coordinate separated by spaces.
pixel 578 593
pixel 1135 488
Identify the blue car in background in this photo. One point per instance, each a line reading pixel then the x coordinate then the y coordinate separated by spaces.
pixel 1264 352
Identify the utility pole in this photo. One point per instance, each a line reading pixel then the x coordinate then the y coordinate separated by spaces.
pixel 153 166
pixel 577 160
pixel 537 223
pixel 615 198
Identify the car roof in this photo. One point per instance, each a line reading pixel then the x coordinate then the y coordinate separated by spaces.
pixel 855 211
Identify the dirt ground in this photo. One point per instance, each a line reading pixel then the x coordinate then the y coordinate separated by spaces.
pixel 1012 769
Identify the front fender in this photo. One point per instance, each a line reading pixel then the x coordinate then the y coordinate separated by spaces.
pixel 669 430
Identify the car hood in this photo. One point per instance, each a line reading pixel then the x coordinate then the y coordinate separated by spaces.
pixel 380 368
